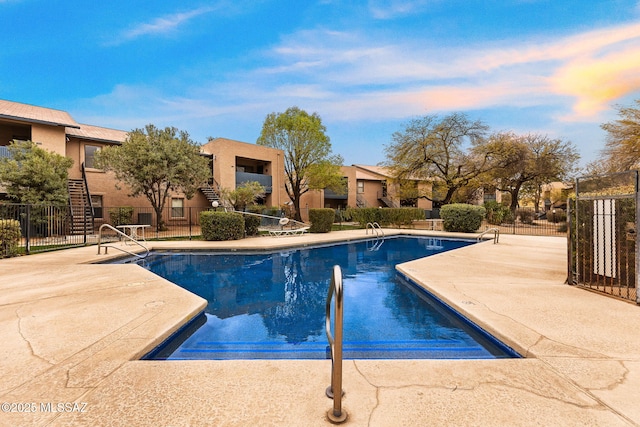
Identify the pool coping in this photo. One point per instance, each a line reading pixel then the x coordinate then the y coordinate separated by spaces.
pixel 573 374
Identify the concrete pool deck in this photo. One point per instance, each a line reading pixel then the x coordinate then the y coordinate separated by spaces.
pixel 72 332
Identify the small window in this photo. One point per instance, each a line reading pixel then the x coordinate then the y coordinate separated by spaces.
pixel 89 155
pixel 177 208
pixel 360 186
pixel 96 202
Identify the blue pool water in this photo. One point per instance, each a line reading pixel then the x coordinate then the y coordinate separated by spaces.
pixel 272 305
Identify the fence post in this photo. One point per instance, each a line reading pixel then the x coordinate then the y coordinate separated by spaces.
pixel 190 212
pixel 28 231
pixel 637 241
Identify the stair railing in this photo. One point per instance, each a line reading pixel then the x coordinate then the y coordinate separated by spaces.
pixel 336 414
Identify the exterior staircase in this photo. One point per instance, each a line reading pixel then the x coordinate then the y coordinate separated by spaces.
pixel 388 202
pixel 81 213
pixel 210 193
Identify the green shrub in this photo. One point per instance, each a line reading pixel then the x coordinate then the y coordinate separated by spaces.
pixel 462 217
pixel 9 237
pixel 556 215
pixel 252 224
pixel 401 216
pixel 526 215
pixel 221 225
pixel 497 213
pixel 321 220
pixel 120 216
pixel 363 216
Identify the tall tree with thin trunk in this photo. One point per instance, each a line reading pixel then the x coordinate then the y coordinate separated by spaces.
pixel 308 161
pixel 157 163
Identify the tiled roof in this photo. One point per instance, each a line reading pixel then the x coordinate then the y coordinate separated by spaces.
pixel 33 114
pixel 96 133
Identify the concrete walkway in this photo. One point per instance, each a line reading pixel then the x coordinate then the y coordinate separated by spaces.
pixel 72 333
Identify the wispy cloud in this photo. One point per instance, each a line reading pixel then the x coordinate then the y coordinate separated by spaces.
pixel 388 9
pixel 594 68
pixel 162 25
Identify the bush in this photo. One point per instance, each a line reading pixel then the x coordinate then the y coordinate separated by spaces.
pixel 556 215
pixel 526 215
pixel 497 213
pixel 321 220
pixel 252 224
pixel 9 237
pixel 401 216
pixel 222 225
pixel 462 217
pixel 363 216
pixel 121 216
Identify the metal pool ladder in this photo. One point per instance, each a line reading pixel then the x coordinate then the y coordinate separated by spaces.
pixel 496 234
pixel 375 228
pixel 121 235
pixel 336 415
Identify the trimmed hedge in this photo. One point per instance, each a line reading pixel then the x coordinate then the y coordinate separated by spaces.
pixel 321 220
pixel 251 225
pixel 462 217
pixel 363 216
pixel 386 216
pixel 401 216
pixel 9 237
pixel 222 225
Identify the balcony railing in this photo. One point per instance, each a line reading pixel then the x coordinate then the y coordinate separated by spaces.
pixel 264 180
pixel 330 194
pixel 4 151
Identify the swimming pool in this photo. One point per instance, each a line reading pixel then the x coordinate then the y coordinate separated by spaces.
pixel 270 305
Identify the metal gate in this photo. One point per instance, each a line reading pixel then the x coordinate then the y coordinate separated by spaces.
pixel 603 234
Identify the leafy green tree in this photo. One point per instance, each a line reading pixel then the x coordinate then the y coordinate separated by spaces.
pixel 245 194
pixel 438 149
pixel 35 176
pixel 156 163
pixel 531 159
pixel 308 161
pixel 622 150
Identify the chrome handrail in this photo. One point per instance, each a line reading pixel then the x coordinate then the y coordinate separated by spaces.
pixel 121 234
pixel 496 234
pixel 375 227
pixel 336 415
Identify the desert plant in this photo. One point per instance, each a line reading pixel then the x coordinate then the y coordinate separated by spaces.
pixel 222 225
pixel 321 220
pixel 462 217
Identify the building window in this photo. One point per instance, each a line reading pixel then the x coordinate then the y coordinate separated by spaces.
pixel 360 187
pixel 177 208
pixel 89 155
pixel 96 202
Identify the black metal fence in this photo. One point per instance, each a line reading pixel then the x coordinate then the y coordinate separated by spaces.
pixel 603 236
pixel 45 227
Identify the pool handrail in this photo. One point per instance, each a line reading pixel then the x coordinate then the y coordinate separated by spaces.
pixel 121 235
pixel 496 234
pixel 336 415
pixel 375 228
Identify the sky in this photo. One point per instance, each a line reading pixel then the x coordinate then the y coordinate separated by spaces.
pixel 217 68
